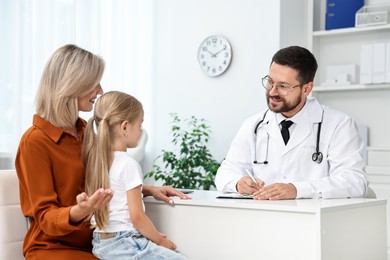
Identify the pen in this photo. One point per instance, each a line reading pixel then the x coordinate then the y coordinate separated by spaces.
pixel 251 175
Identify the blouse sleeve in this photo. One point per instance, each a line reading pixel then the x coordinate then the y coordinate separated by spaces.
pixel 50 175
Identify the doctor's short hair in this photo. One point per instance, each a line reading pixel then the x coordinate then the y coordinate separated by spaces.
pixel 300 59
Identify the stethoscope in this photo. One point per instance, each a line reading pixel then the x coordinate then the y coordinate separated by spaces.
pixel 317 155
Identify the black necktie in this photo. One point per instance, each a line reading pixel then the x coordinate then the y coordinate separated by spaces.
pixel 285 133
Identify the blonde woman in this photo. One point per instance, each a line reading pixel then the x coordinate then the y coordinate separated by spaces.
pixel 49 164
pixel 123 230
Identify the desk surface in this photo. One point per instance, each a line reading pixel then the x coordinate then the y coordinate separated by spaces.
pixel 209 198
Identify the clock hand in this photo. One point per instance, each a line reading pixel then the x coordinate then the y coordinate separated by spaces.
pixel 215 54
pixel 212 54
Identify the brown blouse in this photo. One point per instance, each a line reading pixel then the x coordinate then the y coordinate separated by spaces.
pixel 51 174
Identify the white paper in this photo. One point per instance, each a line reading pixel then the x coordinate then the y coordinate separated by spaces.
pixel 366 64
pixel 379 61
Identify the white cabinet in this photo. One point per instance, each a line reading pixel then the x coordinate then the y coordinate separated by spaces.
pixel 368 104
pixel 209 228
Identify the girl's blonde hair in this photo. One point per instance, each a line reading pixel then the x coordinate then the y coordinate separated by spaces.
pixel 71 72
pixel 111 109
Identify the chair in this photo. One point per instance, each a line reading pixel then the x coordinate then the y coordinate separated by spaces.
pixel 138 152
pixel 370 194
pixel 13 224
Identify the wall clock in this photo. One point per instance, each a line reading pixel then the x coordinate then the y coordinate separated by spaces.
pixel 214 55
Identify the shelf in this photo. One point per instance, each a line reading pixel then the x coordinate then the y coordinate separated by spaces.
pixel 350 87
pixel 352 30
pixel 378 156
pixel 378 148
pixel 378 170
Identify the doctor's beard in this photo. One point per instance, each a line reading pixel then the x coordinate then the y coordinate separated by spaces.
pixel 285 106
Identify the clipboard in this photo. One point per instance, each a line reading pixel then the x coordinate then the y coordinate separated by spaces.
pixel 185 191
pixel 234 196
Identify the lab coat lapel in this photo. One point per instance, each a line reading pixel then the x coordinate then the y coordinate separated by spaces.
pixel 301 132
pixel 311 114
pixel 274 131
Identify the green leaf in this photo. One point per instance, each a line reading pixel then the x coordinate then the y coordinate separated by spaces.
pixel 191 164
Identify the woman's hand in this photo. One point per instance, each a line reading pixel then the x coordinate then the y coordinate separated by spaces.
pixel 87 205
pixel 164 193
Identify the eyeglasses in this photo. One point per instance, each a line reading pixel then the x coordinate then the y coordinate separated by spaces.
pixel 282 89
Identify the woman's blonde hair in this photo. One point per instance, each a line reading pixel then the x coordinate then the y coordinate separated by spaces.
pixel 71 72
pixel 111 109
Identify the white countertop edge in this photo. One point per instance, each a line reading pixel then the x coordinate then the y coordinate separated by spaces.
pixel 208 199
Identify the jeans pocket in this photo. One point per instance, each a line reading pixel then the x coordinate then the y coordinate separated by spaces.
pixel 101 248
pixel 140 241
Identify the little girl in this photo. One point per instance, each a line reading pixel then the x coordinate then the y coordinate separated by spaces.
pixel 123 230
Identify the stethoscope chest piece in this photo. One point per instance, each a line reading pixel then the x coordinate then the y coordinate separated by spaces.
pixel 317 157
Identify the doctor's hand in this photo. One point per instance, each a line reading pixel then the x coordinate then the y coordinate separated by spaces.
pixel 276 191
pixel 247 186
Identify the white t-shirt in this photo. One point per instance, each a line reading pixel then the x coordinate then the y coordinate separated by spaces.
pixel 125 174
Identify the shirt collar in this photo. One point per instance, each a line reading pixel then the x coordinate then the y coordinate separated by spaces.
pixel 296 118
pixel 55 132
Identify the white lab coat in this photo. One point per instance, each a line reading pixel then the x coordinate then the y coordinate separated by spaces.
pixel 340 175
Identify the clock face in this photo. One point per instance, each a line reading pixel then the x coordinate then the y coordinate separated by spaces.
pixel 214 55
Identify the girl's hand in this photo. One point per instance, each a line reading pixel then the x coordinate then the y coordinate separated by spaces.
pixel 168 244
pixel 164 193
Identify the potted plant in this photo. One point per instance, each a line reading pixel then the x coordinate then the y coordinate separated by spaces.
pixel 191 165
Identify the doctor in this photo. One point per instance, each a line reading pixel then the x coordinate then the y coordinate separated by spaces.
pixel 320 154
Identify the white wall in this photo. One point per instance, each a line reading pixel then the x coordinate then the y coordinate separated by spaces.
pixel 253 29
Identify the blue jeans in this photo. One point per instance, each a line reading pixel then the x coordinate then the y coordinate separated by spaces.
pixel 131 245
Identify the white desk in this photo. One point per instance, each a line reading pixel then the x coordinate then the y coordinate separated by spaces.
pixel 209 228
